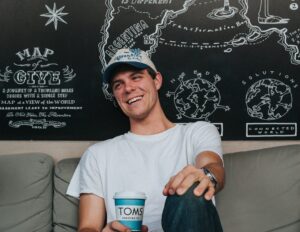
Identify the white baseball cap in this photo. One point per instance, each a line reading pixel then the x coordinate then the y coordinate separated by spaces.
pixel 133 56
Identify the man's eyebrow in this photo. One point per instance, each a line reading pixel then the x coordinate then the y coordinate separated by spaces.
pixel 131 74
pixel 136 72
pixel 115 81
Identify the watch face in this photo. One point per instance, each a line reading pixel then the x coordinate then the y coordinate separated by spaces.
pixel 210 176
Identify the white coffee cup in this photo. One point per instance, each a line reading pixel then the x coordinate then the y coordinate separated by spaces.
pixel 130 209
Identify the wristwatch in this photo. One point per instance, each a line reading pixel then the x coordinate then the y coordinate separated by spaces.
pixel 211 176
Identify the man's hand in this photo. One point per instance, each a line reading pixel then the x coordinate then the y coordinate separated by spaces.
pixel 117 226
pixel 190 174
pixel 183 180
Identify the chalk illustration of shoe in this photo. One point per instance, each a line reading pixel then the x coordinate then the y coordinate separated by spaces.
pixel 264 17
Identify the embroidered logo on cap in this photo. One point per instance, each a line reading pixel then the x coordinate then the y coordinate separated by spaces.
pixel 132 54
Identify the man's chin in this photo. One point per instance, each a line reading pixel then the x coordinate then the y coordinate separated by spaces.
pixel 136 117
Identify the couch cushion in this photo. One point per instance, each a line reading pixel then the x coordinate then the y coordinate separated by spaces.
pixel 65 208
pixel 26 192
pixel 262 190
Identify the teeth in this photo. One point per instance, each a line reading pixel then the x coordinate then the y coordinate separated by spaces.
pixel 134 99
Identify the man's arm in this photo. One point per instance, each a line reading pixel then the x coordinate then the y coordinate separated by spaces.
pixel 183 180
pixel 92 213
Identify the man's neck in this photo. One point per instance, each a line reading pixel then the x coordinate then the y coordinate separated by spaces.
pixel 150 125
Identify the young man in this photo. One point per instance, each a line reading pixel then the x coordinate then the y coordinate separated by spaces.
pixel 182 163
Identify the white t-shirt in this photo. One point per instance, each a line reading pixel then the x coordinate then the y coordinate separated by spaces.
pixel 142 163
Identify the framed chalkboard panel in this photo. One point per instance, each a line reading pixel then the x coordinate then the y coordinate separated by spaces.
pixel 233 63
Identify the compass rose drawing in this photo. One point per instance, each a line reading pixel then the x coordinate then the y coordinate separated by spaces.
pixel 55 15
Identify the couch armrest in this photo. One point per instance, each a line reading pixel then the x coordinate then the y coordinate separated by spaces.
pixel 26 192
pixel 262 190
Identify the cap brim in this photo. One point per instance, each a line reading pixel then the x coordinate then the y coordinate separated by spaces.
pixel 110 69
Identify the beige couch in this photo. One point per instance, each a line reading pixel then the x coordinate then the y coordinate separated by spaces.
pixel 262 192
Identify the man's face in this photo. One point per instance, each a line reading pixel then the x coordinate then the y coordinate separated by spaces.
pixel 136 92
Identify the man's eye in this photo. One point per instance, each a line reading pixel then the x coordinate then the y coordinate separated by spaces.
pixel 116 86
pixel 136 77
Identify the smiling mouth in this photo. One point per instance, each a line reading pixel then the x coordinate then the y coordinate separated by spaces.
pixel 135 99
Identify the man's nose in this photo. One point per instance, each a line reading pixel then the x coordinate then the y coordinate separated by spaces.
pixel 129 86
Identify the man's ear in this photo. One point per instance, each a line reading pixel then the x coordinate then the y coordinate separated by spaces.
pixel 158 80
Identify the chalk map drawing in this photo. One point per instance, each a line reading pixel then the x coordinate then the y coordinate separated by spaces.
pixel 209 27
pixel 268 99
pixel 197 97
pixel 234 63
pixel 153 23
pixel 179 24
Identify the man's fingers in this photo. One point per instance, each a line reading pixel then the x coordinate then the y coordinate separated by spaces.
pixel 210 193
pixel 202 186
pixel 117 226
pixel 167 186
pixel 181 182
pixel 187 183
pixel 176 181
pixel 184 179
pixel 144 228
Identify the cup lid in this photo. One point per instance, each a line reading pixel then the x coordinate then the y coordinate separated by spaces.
pixel 130 195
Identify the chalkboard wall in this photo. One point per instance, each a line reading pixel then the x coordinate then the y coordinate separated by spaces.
pixel 233 63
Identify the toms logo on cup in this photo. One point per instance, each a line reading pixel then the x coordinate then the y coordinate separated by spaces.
pixel 130 209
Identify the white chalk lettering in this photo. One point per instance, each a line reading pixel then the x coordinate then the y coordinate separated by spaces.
pixel 126 37
pixel 37 77
pixel 36 53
